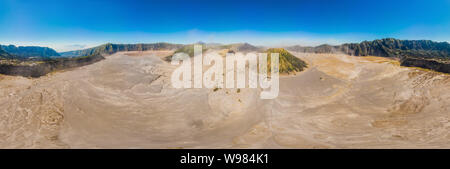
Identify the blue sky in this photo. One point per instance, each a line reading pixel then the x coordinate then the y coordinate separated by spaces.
pixel 67 25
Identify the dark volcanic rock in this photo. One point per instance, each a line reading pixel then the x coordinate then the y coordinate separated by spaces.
pixel 427 64
pixel 40 68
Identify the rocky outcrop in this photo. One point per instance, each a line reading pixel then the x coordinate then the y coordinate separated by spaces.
pixel 390 47
pixel 439 66
pixel 40 68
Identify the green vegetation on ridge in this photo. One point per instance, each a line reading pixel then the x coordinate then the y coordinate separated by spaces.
pixel 388 47
pixel 288 63
pixel 26 52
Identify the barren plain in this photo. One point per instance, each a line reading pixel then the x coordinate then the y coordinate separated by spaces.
pixel 126 101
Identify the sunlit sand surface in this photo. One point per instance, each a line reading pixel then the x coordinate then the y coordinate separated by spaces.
pixel 127 101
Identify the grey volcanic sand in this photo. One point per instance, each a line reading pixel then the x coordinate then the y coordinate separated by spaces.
pixel 126 101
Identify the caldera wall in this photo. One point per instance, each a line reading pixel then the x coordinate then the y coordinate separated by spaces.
pixel 40 68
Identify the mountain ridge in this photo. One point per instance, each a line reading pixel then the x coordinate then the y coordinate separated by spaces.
pixel 387 47
pixel 412 53
pixel 26 52
pixel 4 54
pixel 288 63
pixel 110 48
